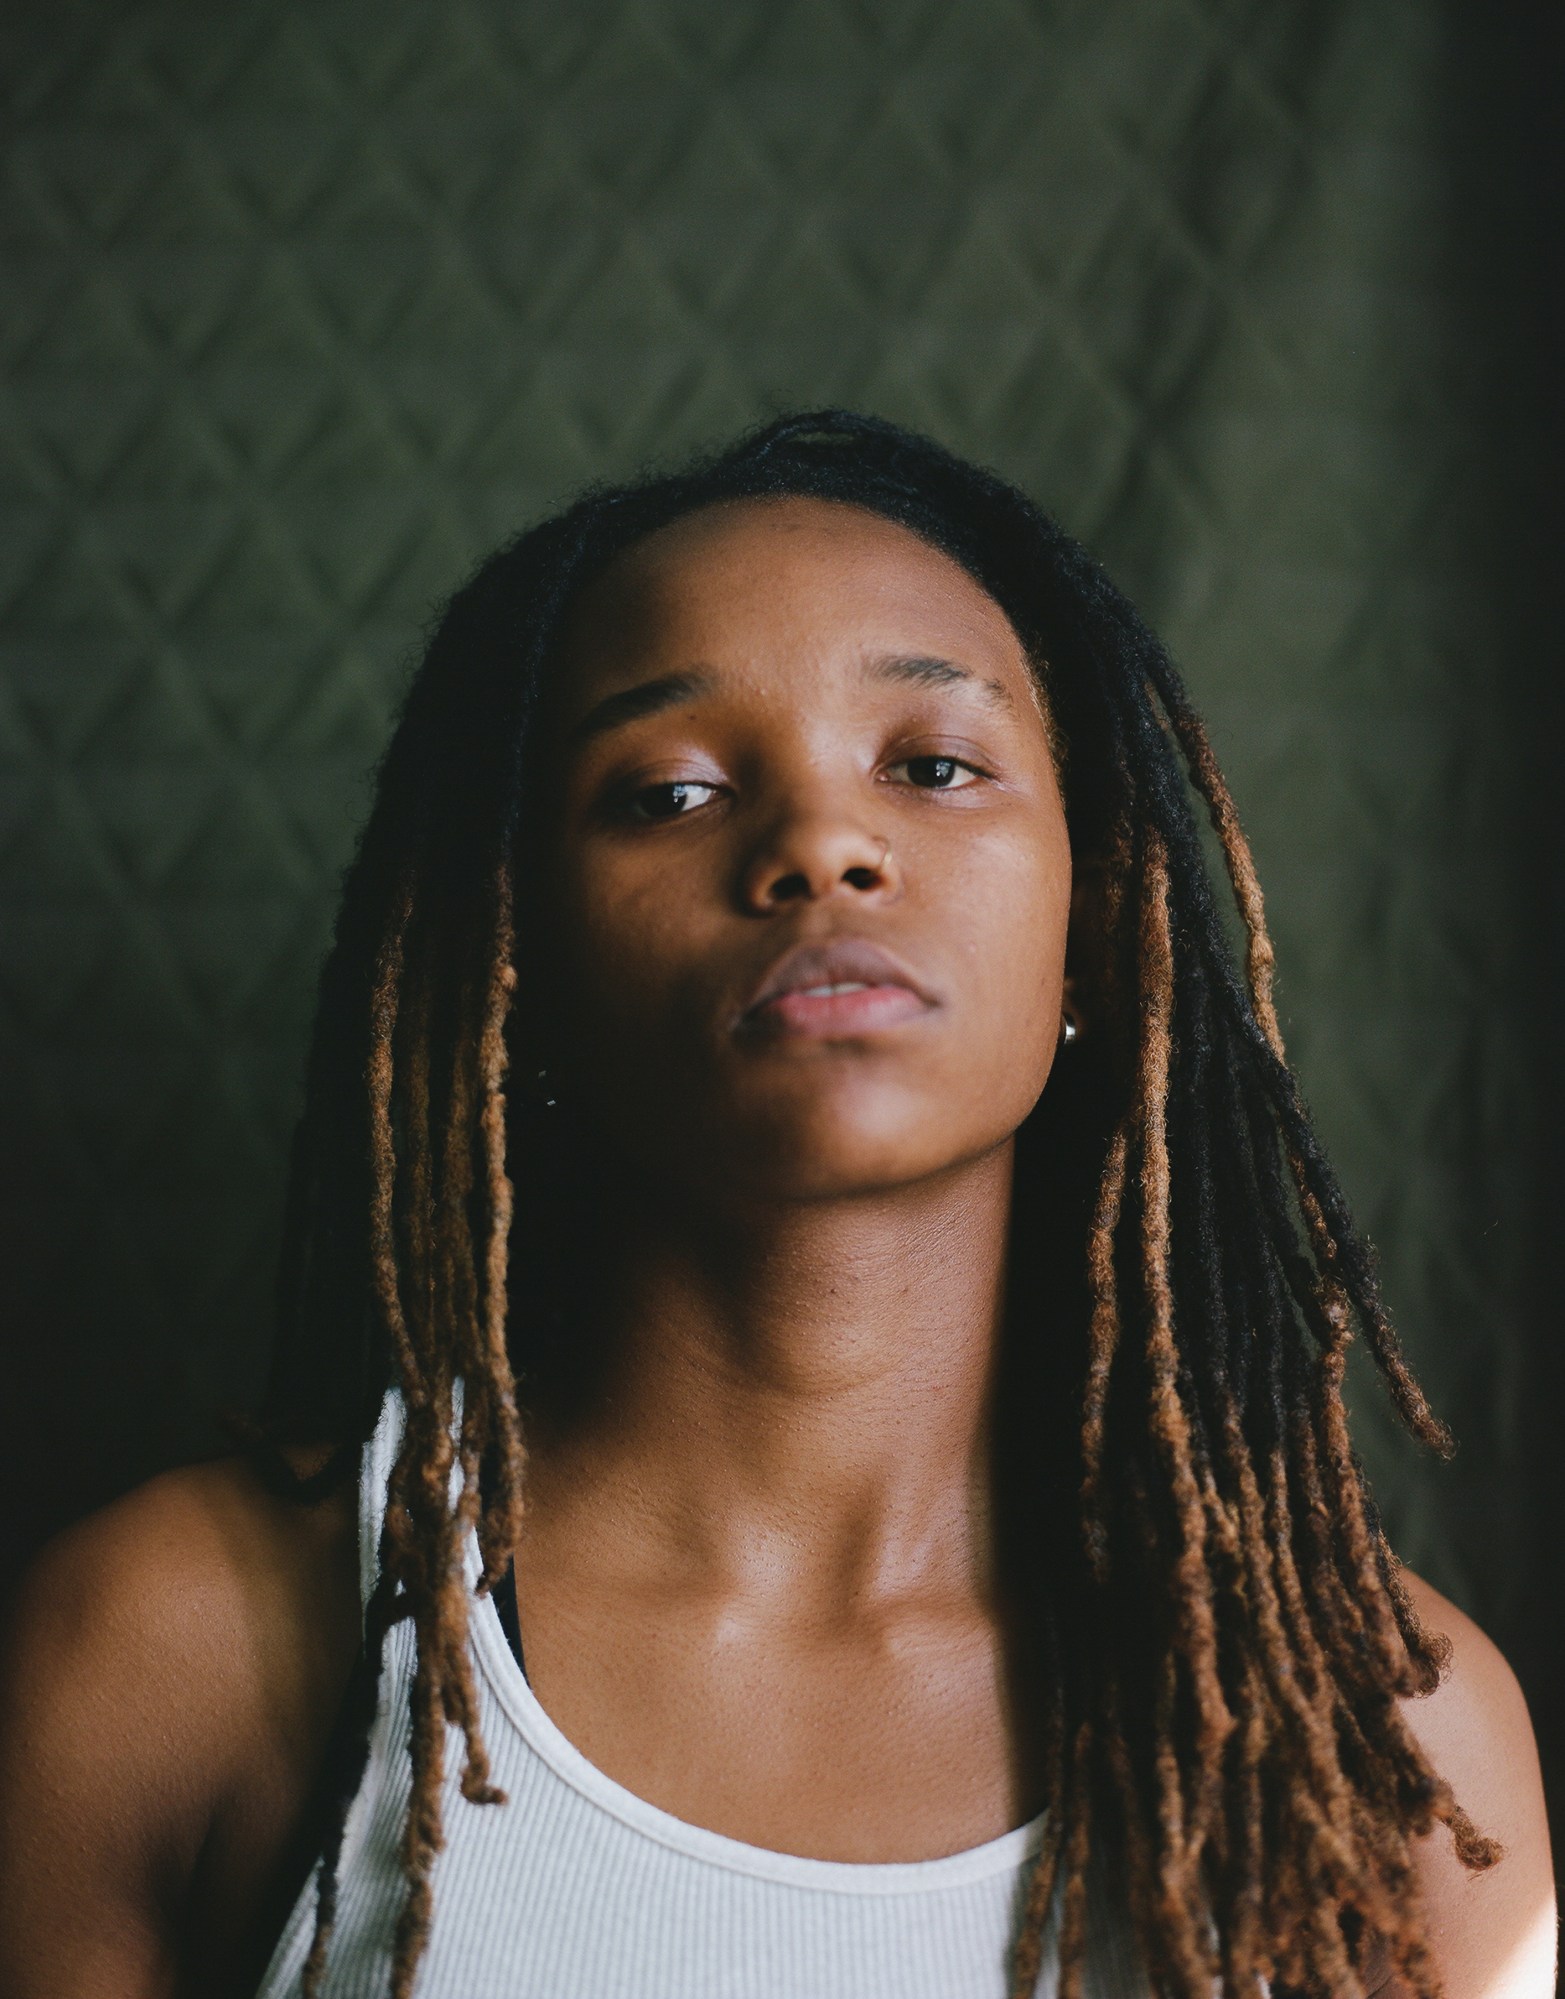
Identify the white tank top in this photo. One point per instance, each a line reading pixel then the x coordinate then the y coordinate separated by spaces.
pixel 577 1889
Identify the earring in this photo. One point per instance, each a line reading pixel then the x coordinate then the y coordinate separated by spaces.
pixel 541 1095
pixel 1068 1031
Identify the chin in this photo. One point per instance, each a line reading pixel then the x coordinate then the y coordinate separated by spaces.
pixel 827 1155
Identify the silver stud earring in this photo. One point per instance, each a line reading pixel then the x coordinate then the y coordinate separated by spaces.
pixel 1069 1031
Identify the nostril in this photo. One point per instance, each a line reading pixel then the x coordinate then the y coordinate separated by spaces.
pixel 862 877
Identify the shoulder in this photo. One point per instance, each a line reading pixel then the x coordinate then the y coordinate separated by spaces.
pixel 200 1579
pixel 1494 1932
pixel 158 1653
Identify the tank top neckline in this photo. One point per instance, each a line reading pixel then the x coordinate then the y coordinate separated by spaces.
pixel 508 1685
pixel 522 1706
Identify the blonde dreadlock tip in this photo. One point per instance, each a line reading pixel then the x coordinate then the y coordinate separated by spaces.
pixel 485 1794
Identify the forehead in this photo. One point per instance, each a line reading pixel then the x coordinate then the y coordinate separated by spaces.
pixel 789 576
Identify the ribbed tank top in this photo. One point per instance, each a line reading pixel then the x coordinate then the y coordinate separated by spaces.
pixel 578 1889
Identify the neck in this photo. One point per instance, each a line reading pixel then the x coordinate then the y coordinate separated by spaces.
pixel 799 1399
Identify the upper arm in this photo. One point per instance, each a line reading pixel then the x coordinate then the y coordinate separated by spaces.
pixel 94 1809
pixel 1493 1933
pixel 121 1713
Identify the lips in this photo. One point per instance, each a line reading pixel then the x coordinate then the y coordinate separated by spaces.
pixel 835 961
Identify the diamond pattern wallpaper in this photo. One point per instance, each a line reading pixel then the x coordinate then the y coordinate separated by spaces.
pixel 304 308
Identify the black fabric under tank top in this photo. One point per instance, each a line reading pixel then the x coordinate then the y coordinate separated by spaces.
pixel 504 1594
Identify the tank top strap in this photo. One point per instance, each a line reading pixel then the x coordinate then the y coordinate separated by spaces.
pixel 379 1455
pixel 375 1463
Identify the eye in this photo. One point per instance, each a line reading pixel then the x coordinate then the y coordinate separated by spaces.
pixel 670 800
pixel 938 773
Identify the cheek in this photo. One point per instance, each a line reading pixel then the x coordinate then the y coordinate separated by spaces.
pixel 1013 922
pixel 624 961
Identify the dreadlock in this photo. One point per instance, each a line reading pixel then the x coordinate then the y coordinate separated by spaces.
pixel 1242 1762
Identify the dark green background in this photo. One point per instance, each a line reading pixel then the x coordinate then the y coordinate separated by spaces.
pixel 306 306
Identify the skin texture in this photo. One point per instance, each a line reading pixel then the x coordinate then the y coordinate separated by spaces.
pixel 786 1472
pixel 776 1500
pixel 170 1676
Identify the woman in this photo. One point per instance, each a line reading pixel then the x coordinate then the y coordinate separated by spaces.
pixel 920 1498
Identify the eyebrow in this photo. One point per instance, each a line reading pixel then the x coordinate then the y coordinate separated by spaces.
pixel 926 672
pixel 650 697
pixel 672 690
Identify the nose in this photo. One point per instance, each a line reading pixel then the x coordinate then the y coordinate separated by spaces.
pixel 811 858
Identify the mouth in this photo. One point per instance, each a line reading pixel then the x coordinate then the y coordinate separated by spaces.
pixel 839 986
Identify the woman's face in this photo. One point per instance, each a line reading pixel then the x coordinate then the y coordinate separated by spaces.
pixel 787 724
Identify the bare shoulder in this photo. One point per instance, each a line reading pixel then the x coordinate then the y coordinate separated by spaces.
pixel 196 1584
pixel 161 1655
pixel 1494 1932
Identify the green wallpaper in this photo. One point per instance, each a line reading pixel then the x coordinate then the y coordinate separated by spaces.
pixel 306 306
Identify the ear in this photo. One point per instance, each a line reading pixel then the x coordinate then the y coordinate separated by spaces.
pixel 1084 943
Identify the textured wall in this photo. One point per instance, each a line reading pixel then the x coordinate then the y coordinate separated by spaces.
pixel 305 307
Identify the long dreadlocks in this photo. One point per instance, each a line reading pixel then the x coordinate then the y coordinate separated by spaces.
pixel 1243 1760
